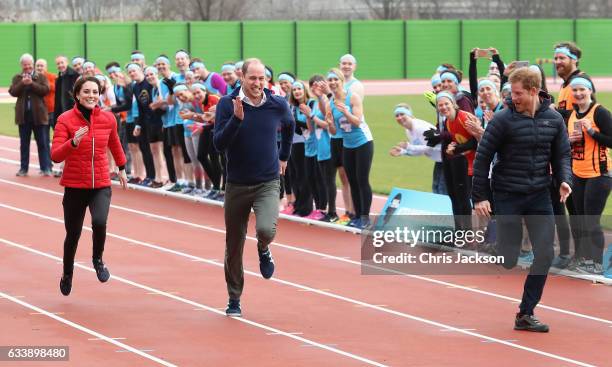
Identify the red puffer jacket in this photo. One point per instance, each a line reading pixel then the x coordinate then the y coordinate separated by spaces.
pixel 86 166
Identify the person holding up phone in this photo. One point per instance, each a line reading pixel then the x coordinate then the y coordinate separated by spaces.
pixel 491 53
pixel 31 115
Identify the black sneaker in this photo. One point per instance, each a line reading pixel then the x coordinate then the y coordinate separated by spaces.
pixel 330 218
pixel 101 270
pixel 529 323
pixel 266 264
pixel 561 261
pixel 66 284
pixel 233 308
pixel 21 173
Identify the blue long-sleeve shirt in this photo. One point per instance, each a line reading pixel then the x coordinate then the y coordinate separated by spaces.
pixel 250 145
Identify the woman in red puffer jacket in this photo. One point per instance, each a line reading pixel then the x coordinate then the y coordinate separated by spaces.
pixel 81 138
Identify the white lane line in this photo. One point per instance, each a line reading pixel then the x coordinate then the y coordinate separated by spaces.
pixel 85 329
pixel 326 292
pixel 320 254
pixel 198 305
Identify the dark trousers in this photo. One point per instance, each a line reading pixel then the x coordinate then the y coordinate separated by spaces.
pixel 357 163
pixel 41 135
pixel 561 220
pixel 303 196
pixel 438 185
pixel 589 200
pixel 328 175
pixel 147 156
pixel 459 187
pixel 536 210
pixel 169 158
pixel 75 202
pixel 210 158
pixel 122 132
pixel 315 182
pixel 239 199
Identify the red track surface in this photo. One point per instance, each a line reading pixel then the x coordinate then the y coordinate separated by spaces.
pixel 167 293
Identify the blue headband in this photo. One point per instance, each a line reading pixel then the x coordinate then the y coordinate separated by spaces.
pixel 286 77
pixel 197 64
pixel 228 67
pixel 581 82
pixel 113 69
pixel 181 53
pixel 268 74
pixel 486 82
pixel 151 68
pixel 199 86
pixel 297 84
pixel 566 51
pixel 445 95
pixel 100 77
pixel 507 87
pixel 132 66
pixel 163 59
pixel 332 75
pixel 435 80
pixel 179 88
pixel 239 64
pixel 77 60
pixel 137 56
pixel 87 64
pixel 403 110
pixel 441 69
pixel 449 76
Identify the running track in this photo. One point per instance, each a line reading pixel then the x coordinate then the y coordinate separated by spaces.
pixel 164 303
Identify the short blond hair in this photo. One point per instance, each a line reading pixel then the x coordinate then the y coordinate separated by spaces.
pixel 528 78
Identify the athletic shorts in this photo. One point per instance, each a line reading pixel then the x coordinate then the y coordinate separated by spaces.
pixel 129 130
pixel 155 133
pixel 171 137
pixel 336 152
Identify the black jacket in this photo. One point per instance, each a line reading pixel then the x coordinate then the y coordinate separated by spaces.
pixel 527 148
pixel 63 91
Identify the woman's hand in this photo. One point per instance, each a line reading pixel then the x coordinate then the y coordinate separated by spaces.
pixel 305 109
pixel 123 179
pixel 78 136
pixel 450 149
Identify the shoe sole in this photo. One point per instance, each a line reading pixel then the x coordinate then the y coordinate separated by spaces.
pixel 526 328
pixel 233 314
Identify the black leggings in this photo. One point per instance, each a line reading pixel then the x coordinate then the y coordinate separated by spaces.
pixel 315 182
pixel 210 158
pixel 75 202
pixel 145 149
pixel 590 196
pixel 328 179
pixel 303 196
pixel 459 187
pixel 357 163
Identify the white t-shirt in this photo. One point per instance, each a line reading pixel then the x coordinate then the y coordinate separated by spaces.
pixel 418 144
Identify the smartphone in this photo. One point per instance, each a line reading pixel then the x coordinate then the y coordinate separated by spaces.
pixel 578 126
pixel 482 53
pixel 521 64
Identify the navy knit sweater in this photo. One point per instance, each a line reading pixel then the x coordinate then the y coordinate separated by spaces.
pixel 250 145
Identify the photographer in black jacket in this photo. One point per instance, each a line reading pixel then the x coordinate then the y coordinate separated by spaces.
pixel 529 138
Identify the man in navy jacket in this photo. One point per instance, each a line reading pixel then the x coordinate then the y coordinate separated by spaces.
pixel 529 139
pixel 247 122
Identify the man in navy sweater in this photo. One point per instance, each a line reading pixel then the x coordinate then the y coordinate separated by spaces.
pixel 245 131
